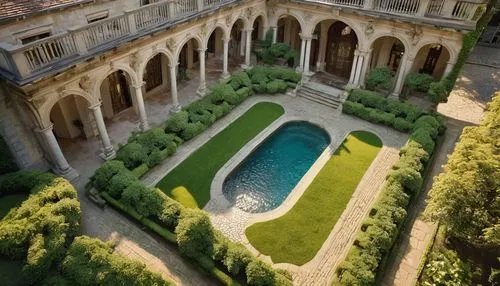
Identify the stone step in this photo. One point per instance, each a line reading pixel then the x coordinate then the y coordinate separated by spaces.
pixel 331 103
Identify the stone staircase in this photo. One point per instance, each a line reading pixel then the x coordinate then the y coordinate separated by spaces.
pixel 322 94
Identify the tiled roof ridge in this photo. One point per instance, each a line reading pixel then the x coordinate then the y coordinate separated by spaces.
pixel 18 8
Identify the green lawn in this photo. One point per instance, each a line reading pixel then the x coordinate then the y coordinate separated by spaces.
pixel 11 201
pixel 297 236
pixel 193 177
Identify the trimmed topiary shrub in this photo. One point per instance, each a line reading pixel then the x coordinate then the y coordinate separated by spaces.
pixel 424 138
pixel 155 138
pixel 223 92
pixel 237 258
pixel 145 201
pixel 240 79
pixel 259 77
pixel 177 122
pixel 273 87
pixel 418 82
pixel 192 129
pixel 170 212
pixel 379 78
pixel 90 261
pixel 195 234
pixel 260 274
pixel 119 182
pixel 101 178
pixel 132 155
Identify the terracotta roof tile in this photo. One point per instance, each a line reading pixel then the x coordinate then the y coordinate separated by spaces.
pixel 15 8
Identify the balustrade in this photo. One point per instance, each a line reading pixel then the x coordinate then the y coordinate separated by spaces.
pixel 21 61
pixel 45 51
pixel 407 7
pixel 151 15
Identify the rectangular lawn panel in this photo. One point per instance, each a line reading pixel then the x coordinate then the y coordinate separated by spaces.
pixel 190 181
pixel 297 236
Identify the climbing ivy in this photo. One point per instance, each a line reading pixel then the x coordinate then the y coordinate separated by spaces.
pixel 439 91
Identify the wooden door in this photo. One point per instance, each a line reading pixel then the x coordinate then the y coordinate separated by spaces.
pixel 119 92
pixel 153 76
pixel 432 59
pixel 341 45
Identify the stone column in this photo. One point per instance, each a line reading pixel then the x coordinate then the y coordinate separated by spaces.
pixel 143 118
pixel 61 167
pixel 248 47
pixel 366 65
pixel 302 52
pixel 307 56
pixel 202 88
pixel 173 88
pixel 242 43
pixel 353 68
pixel 405 67
pixel 275 34
pixel 108 151
pixel 225 72
pixel 447 70
pixel 359 66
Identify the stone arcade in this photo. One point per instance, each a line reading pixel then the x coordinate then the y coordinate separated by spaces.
pixel 93 69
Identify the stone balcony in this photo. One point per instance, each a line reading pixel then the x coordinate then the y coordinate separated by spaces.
pixel 24 63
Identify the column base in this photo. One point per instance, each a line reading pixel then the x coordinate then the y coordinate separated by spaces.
pixel 175 108
pixel 245 66
pixel 144 126
pixel 108 155
pixel 226 76
pixel 201 92
pixel 299 69
pixel 69 174
pixel 394 96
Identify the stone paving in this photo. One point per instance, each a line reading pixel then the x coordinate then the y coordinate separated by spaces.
pixel 233 221
pixel 465 106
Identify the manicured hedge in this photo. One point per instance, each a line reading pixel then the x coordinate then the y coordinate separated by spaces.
pixel 41 233
pixel 417 82
pixel 118 180
pixel 380 229
pixel 379 78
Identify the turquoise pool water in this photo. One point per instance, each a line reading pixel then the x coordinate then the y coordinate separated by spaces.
pixel 266 177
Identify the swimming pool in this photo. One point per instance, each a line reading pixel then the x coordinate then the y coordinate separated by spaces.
pixel 266 177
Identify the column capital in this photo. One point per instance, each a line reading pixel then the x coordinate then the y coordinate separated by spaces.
pixel 306 38
pixel 141 84
pixel 45 129
pixel 96 105
pixel 173 65
pixel 247 30
pixel 202 50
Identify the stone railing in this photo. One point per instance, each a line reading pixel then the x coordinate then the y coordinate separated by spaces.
pixel 22 61
pixel 454 11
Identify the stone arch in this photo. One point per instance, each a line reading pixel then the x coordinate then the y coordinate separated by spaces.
pixel 352 24
pixel 46 109
pixel 432 58
pixel 114 68
pixel 142 66
pixel 291 13
pixel 197 38
pixel 451 51
pixel 265 21
pixel 369 43
pixel 246 23
pixel 224 29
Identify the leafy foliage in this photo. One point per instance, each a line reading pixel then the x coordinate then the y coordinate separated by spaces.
pixel 446 269
pixel 379 78
pixel 466 196
pixel 91 262
pixel 379 230
pixel 195 234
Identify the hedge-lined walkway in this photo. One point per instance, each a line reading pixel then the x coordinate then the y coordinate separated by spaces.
pixel 196 173
pixel 297 236
pixel 465 106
